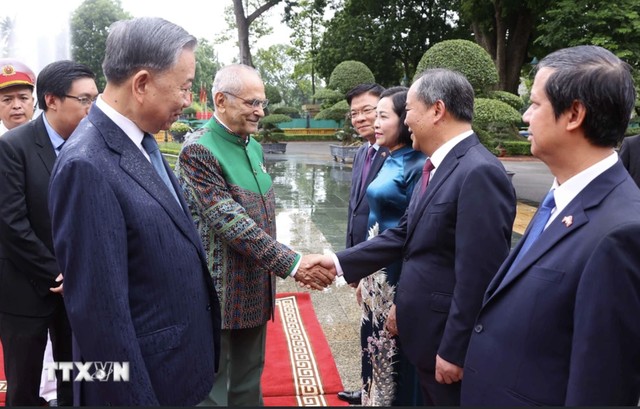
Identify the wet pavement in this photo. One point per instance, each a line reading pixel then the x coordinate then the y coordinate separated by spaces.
pixel 312 194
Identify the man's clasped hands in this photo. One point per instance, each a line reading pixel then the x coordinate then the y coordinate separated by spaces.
pixel 316 271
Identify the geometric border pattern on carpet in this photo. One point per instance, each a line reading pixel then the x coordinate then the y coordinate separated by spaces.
pixel 299 367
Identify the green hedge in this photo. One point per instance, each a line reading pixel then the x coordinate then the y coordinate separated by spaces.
pixel 514 100
pixel 515 148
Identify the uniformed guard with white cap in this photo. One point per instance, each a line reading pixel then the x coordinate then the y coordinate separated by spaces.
pixel 16 94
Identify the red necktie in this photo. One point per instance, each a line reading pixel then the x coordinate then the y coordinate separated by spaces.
pixel 367 167
pixel 426 174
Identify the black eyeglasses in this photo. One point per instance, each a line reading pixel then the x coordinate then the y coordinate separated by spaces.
pixel 253 103
pixel 83 100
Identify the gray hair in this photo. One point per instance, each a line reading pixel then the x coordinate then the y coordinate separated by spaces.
pixel 450 87
pixel 229 78
pixel 143 43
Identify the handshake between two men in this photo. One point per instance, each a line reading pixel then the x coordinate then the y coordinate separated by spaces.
pixel 316 271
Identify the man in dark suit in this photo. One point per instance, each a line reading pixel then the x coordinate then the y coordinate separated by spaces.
pixel 630 156
pixel 30 291
pixel 559 323
pixel 362 100
pixel 452 239
pixel 137 288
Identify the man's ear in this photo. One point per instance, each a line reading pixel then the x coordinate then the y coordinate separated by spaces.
pixel 52 102
pixel 220 102
pixel 576 115
pixel 140 85
pixel 439 109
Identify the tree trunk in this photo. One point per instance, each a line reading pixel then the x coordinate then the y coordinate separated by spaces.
pixel 243 33
pixel 243 22
pixel 506 41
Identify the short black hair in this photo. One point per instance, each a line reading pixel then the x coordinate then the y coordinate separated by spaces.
pixel 398 96
pixel 57 79
pixel 375 89
pixel 600 81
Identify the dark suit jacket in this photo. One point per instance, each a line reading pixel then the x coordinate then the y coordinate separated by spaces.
pixel 452 240
pixel 358 211
pixel 27 264
pixel 564 329
pixel 630 156
pixel 137 288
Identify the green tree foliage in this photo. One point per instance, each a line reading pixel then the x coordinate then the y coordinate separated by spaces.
pixel 615 27
pixel 388 36
pixel 89 30
pixel 348 74
pixel 505 29
pixel 463 56
pixel 6 29
pixel 276 65
pixel 336 112
pixel 207 65
pixel 305 18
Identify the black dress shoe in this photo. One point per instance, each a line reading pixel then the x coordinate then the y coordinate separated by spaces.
pixel 353 397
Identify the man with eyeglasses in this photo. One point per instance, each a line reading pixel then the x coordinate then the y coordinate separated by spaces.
pixel 31 302
pixel 230 194
pixel 16 94
pixel 362 100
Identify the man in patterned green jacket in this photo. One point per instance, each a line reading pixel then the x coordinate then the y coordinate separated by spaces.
pixel 222 173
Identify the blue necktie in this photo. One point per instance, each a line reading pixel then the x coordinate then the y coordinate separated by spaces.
pixel 151 146
pixel 537 227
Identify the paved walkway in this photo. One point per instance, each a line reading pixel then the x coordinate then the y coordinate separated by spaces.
pixel 312 193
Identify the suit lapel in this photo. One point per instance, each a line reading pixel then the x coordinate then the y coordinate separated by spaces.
pixel 378 160
pixel 577 210
pixel 133 162
pixel 43 144
pixel 419 202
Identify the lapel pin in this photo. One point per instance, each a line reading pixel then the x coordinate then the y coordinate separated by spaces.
pixel 384 154
pixel 567 220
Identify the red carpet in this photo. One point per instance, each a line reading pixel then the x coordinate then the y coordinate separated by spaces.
pixel 299 368
pixel 3 380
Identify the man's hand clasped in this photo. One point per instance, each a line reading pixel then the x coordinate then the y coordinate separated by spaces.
pixel 315 272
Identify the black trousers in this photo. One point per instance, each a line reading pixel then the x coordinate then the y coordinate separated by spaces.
pixel 24 340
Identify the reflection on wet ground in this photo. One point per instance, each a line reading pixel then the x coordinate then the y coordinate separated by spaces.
pixel 321 192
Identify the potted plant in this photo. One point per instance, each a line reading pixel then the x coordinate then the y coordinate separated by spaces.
pixel 269 133
pixel 178 130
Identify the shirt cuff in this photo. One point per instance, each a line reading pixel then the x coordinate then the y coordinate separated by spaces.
pixel 336 262
pixel 294 270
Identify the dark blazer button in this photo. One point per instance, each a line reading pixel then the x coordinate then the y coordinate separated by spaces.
pixel 209 307
pixel 478 328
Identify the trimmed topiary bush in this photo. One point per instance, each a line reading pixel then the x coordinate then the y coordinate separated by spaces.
pixel 273 94
pixel 508 98
pixel 463 56
pixel 269 132
pixel 495 121
pixel 336 112
pixel 291 111
pixel 348 74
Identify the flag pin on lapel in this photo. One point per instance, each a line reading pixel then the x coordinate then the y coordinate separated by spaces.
pixel 384 154
pixel 567 220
